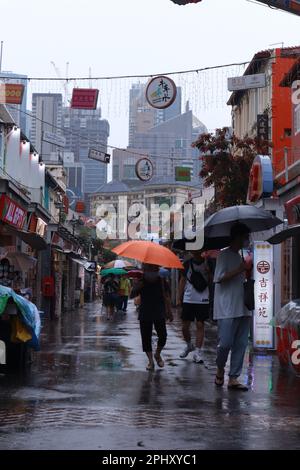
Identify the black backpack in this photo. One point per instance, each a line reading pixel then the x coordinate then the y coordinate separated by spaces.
pixel 197 280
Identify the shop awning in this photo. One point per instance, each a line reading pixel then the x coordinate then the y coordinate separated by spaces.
pixel 88 265
pixel 32 239
pixel 291 231
pixel 21 261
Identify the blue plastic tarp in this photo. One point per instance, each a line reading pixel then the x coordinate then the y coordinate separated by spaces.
pixel 29 313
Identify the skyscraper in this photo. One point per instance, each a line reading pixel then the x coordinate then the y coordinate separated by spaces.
pixel 84 129
pixel 142 116
pixel 169 145
pixel 47 118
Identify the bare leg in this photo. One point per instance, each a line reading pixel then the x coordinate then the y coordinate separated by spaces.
pixel 151 361
pixel 186 331
pixel 199 334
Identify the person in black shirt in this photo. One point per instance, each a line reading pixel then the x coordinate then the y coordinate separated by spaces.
pixel 153 311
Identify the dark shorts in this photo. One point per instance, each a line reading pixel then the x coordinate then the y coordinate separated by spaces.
pixel 191 312
pixel 110 300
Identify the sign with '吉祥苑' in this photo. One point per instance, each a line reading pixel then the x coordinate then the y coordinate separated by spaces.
pixel 263 335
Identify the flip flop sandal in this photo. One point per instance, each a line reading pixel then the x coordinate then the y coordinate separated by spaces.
pixel 219 381
pixel 159 361
pixel 240 387
pixel 150 367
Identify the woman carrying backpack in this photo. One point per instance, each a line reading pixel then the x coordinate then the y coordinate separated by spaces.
pixel 194 296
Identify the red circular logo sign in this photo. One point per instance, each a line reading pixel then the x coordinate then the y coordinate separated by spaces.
pixel 263 267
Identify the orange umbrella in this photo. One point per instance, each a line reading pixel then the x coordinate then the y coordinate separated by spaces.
pixel 148 252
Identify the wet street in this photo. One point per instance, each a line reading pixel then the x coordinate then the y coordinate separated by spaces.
pixel 88 389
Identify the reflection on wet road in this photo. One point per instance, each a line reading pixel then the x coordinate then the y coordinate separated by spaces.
pixel 88 389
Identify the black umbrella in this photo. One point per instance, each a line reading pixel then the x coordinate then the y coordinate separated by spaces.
pixel 256 219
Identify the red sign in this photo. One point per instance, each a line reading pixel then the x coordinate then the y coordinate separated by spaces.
pixel 11 213
pixel 11 93
pixel 80 206
pixel 66 204
pixel 263 267
pixel 84 98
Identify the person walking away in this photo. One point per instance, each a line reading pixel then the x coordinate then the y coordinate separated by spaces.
pixel 229 308
pixel 124 292
pixel 153 310
pixel 194 296
pixel 110 294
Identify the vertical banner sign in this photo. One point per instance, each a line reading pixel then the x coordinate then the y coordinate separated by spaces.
pixel 263 127
pixel 263 335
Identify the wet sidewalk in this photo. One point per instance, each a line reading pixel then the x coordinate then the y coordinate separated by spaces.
pixel 88 389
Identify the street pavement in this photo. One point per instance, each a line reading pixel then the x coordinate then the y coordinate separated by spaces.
pixel 88 389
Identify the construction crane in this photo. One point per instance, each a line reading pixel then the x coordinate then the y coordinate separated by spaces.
pixel 65 83
pixel 291 6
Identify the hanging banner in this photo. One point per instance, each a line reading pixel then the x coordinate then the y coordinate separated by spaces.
pixel 263 127
pixel 161 92
pixel 263 334
pixel 11 93
pixel 84 98
pixel 144 169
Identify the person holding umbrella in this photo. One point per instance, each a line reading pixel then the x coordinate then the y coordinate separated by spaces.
pixel 110 297
pixel 154 309
pixel 230 296
pixel 155 303
pixel 229 308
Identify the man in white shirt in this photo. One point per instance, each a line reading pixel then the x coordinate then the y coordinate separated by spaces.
pixel 194 294
pixel 229 308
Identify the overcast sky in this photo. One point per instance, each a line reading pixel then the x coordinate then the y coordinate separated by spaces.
pixel 116 37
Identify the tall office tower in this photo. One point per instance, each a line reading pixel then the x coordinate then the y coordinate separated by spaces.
pixel 46 123
pixel 84 129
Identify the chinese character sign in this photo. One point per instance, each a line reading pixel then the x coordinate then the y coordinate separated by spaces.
pixel 161 92
pixel 263 291
pixel 84 98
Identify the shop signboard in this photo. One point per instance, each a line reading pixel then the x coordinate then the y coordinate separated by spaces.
pixel 41 227
pixel 11 93
pixel 263 127
pixel 144 169
pixel 84 98
pixel 161 92
pixel 11 213
pixel 54 139
pixel 99 156
pixel 182 173
pixel 261 182
pixel 263 334
pixel 246 82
